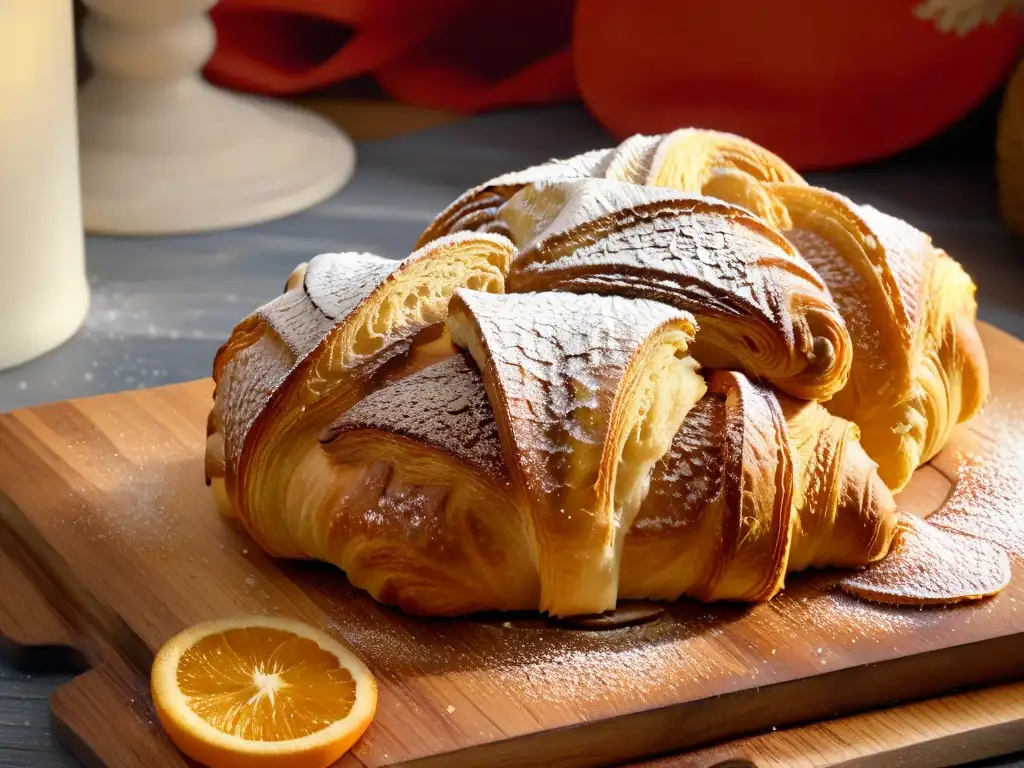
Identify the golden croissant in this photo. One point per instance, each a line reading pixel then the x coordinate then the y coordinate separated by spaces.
pixel 918 367
pixel 689 159
pixel 346 322
pixel 761 308
pixel 612 390
pixel 438 525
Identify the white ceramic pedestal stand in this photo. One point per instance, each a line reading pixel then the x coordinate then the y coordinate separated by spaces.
pixel 164 152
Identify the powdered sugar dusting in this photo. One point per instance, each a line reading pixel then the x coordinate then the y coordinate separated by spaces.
pixel 444 406
pixel 842 618
pixel 477 208
pixel 908 257
pixel 545 664
pixel 987 469
pixel 931 565
pixel 631 160
pixel 245 388
pixel 295 323
pixel 740 279
pixel 987 500
pixel 692 651
pixel 851 294
pixel 335 283
pixel 558 359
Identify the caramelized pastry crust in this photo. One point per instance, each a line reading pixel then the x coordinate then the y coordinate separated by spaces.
pixel 755 485
pixel 689 159
pixel 419 508
pixel 319 347
pixel 761 308
pixel 423 513
pixel 706 374
pixel 918 364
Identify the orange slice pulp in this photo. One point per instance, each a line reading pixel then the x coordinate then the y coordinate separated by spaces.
pixel 261 691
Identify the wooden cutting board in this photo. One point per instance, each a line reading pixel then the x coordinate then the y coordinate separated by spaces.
pixel 111 520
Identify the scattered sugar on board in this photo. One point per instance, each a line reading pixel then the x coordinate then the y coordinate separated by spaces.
pixel 578 668
pixel 579 673
pixel 132 500
pixel 961 551
pixel 838 616
pixel 987 500
pixel 931 565
pixel 690 650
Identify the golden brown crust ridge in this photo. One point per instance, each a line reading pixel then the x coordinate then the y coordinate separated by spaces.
pixel 689 160
pixel 760 306
pixel 476 208
pixel 918 366
pixel 284 331
pixel 571 378
pixel 756 485
pixel 443 407
pixel 364 321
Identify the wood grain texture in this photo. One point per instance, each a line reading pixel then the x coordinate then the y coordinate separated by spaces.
pixel 107 493
pixel 33 634
pixel 950 730
pixel 42 629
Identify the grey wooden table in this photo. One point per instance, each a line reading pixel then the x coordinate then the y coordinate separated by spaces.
pixel 161 307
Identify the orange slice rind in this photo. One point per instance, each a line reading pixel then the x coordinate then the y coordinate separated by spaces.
pixel 261 691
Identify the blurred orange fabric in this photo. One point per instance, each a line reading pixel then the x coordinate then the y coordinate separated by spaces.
pixel 824 84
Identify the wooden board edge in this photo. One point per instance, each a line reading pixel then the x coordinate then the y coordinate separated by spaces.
pixel 62 642
pixel 203 386
pixel 973 725
pixel 687 726
pixel 950 730
pixel 94 620
pixel 47 641
pixel 122 694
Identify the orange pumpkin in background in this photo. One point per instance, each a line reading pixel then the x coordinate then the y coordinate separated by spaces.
pixel 823 83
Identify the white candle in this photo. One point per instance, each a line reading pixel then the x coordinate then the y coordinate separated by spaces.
pixel 43 290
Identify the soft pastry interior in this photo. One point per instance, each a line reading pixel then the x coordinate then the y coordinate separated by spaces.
pixel 354 321
pixel 669 368
pixel 587 391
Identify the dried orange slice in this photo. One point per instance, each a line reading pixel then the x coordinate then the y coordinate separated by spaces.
pixel 261 691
